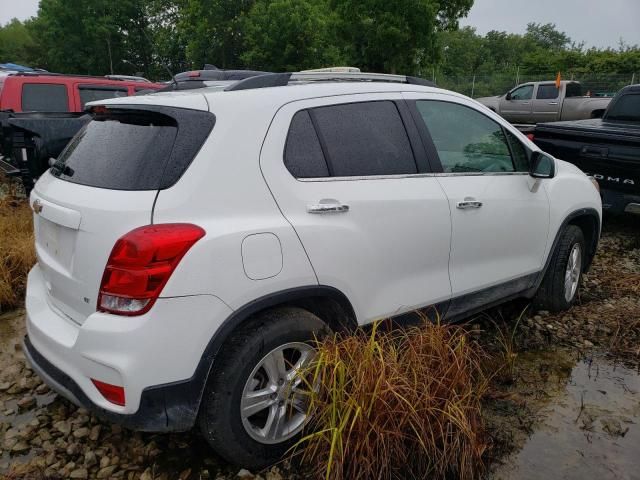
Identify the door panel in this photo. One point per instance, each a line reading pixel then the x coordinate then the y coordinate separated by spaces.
pixel 546 103
pixel 499 214
pixel 503 239
pixel 518 109
pixel 381 240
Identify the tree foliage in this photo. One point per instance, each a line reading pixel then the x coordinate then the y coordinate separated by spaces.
pixel 404 36
pixel 543 48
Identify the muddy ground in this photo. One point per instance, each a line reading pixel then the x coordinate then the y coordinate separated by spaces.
pixel 564 401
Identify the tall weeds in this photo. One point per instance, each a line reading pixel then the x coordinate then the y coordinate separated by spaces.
pixel 17 254
pixel 395 404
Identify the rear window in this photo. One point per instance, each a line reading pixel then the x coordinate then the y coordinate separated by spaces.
pixel 625 109
pixel 97 92
pixel 129 149
pixel 44 97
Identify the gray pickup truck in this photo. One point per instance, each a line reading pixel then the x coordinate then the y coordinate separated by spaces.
pixel 539 102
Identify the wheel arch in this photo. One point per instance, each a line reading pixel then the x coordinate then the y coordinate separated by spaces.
pixel 328 303
pixel 589 221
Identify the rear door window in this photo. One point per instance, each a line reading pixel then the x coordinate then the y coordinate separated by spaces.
pixel 364 139
pixel 547 92
pixel 44 97
pixel 90 93
pixel 128 149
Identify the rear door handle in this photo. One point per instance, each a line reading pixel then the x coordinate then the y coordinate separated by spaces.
pixel 328 206
pixel 468 203
pixel 553 103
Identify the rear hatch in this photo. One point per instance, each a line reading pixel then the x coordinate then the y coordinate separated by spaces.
pixel 103 185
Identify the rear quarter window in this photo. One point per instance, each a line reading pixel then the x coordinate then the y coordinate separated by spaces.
pixel 132 149
pixel 92 93
pixel 44 97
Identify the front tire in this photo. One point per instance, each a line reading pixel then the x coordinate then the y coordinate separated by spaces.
pixel 559 287
pixel 249 413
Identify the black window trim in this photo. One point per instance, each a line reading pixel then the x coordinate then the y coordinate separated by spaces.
pixel 97 86
pixel 420 157
pixel 430 145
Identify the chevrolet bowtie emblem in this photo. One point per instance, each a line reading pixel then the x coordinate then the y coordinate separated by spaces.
pixel 37 206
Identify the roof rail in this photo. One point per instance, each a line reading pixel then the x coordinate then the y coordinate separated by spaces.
pixel 282 79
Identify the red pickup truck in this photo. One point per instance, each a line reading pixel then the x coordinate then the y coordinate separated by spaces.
pixel 50 92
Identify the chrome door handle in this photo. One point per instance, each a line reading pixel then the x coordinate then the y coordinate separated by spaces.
pixel 327 208
pixel 553 103
pixel 468 204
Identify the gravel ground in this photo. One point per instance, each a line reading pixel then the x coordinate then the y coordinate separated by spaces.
pixel 42 435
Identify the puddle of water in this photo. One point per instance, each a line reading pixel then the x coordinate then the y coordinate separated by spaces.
pixel 592 430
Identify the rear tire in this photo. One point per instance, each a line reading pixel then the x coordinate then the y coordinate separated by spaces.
pixel 561 282
pixel 243 368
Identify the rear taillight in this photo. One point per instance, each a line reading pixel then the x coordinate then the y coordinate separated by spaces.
pixel 530 136
pixel 112 393
pixel 140 265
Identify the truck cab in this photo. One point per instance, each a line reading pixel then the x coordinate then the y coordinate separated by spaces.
pixel 539 102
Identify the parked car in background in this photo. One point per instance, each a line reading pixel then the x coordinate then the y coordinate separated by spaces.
pixel 40 112
pixel 191 246
pixel 50 92
pixel 537 102
pixel 607 148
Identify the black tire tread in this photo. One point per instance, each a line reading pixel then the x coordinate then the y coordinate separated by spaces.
pixel 244 345
pixel 550 295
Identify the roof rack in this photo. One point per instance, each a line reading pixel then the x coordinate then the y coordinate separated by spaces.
pixel 283 79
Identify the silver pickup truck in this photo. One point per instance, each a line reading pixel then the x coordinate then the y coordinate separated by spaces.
pixel 538 102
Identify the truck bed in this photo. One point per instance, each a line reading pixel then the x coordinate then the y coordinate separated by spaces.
pixel 610 151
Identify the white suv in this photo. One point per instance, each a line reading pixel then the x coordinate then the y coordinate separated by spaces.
pixel 191 244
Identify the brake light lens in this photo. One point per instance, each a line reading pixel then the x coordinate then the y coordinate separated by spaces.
pixel 530 136
pixel 140 265
pixel 112 393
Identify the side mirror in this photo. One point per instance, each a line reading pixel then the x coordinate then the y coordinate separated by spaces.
pixel 508 96
pixel 542 165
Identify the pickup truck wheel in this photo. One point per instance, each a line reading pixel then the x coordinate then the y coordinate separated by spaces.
pixel 251 413
pixel 559 287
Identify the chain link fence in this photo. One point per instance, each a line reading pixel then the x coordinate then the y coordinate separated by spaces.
pixel 594 84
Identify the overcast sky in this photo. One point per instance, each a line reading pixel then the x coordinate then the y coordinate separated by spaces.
pixel 599 23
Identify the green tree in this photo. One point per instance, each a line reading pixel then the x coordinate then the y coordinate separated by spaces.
pixel 16 43
pixel 213 29
pixel 547 36
pixel 288 35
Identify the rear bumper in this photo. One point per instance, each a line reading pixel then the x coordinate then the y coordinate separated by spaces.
pixel 153 356
pixel 617 202
pixel 152 414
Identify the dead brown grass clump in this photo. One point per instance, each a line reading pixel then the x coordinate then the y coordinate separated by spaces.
pixel 17 253
pixel 396 404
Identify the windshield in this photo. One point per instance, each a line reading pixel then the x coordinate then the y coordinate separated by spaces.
pixel 625 109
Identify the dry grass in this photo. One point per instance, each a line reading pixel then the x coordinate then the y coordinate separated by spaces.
pixel 17 254
pixel 396 404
